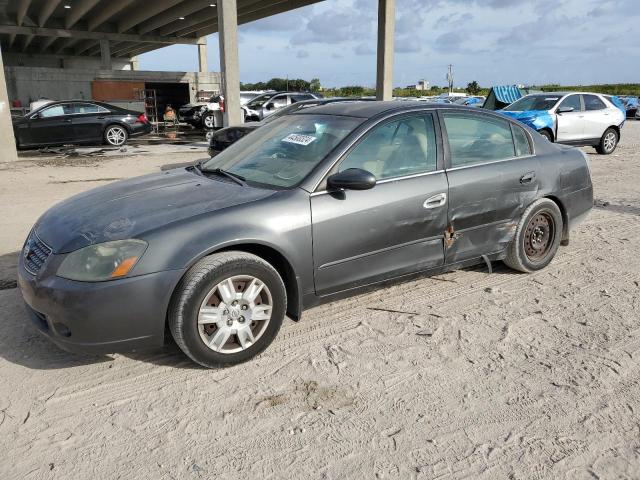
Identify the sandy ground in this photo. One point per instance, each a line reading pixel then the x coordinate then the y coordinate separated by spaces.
pixel 466 375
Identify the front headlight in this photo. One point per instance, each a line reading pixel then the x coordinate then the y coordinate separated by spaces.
pixel 104 261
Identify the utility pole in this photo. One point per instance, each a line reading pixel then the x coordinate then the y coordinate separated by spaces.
pixel 450 78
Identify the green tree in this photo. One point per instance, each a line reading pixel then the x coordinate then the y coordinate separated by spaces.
pixel 473 88
pixel 315 85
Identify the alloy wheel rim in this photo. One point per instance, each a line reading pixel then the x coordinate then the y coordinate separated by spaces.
pixel 208 121
pixel 234 314
pixel 116 136
pixel 539 236
pixel 609 141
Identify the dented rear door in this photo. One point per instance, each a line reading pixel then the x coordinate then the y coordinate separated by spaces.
pixel 490 184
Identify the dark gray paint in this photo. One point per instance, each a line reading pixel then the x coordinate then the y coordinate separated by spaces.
pixel 326 245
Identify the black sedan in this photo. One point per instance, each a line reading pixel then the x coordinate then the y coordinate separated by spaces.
pixel 313 207
pixel 227 136
pixel 78 122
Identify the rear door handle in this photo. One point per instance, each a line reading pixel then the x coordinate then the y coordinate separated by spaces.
pixel 527 177
pixel 436 201
pixel 67 120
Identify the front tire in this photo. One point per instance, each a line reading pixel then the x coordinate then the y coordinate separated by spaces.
pixel 116 135
pixel 608 142
pixel 208 121
pixel 227 309
pixel 537 237
pixel 546 134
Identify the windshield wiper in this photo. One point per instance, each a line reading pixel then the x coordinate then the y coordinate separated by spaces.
pixel 239 179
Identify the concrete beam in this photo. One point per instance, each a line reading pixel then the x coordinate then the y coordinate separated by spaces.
pixel 7 140
pixel 109 9
pixel 386 30
pixel 65 43
pixel 79 9
pixel 146 10
pixel 105 54
pixel 23 8
pixel 228 36
pixel 183 9
pixel 83 46
pixel 12 38
pixel 27 41
pixel 46 10
pixel 115 37
pixel 46 43
pixel 202 55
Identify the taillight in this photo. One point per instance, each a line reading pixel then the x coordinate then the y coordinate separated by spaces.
pixel 143 118
pixel 221 104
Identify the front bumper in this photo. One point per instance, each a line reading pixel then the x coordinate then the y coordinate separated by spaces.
pixel 101 317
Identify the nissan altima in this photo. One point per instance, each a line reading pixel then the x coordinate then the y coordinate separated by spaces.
pixel 314 206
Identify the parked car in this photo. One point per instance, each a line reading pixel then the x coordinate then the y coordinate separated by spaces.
pixel 79 122
pixel 631 105
pixel 470 101
pixel 579 119
pixel 312 207
pixel 227 136
pixel 266 104
pixel 203 115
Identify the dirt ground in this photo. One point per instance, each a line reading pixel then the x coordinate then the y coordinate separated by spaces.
pixel 465 375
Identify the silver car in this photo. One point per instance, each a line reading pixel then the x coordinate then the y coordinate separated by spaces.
pixel 264 105
pixel 574 118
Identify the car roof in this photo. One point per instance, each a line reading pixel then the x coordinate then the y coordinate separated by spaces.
pixel 369 109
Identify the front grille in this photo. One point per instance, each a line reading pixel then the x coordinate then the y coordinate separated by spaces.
pixel 35 253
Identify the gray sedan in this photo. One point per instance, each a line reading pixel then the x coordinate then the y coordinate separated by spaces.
pixel 313 207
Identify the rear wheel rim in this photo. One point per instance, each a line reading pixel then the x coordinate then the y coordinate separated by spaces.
pixel 116 136
pixel 208 121
pixel 234 314
pixel 539 236
pixel 609 141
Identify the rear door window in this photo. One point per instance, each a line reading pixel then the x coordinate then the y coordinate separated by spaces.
pixel 477 139
pixel 591 102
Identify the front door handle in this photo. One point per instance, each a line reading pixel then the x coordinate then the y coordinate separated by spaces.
pixel 527 178
pixel 436 201
pixel 67 120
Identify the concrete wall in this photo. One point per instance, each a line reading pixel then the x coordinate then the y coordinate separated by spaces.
pixel 62 61
pixel 28 83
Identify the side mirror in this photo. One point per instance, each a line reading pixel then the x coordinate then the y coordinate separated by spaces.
pixel 351 179
pixel 565 109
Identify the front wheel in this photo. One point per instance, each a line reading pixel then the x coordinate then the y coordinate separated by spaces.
pixel 608 142
pixel 546 134
pixel 227 309
pixel 208 121
pixel 116 135
pixel 537 237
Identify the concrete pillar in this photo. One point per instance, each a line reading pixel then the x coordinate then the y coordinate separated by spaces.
pixel 386 30
pixel 105 54
pixel 202 55
pixel 7 140
pixel 228 35
pixel 135 63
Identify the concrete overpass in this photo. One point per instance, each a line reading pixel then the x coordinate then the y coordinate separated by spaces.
pixel 115 30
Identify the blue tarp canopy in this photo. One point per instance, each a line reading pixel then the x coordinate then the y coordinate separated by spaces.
pixel 507 93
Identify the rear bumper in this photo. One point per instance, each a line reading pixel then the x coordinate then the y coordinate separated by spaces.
pixel 138 129
pixel 102 317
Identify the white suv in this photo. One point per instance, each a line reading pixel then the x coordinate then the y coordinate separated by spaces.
pixel 575 118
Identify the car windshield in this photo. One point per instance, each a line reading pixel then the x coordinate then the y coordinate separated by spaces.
pixel 259 101
pixel 533 102
pixel 283 153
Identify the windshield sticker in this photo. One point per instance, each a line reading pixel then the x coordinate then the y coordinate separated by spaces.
pixel 299 139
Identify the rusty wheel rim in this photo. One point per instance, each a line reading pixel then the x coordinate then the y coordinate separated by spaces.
pixel 539 236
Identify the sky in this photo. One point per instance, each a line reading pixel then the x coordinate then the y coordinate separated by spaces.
pixel 495 42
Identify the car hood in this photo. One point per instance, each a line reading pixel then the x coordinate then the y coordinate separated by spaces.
pixel 129 208
pixel 536 119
